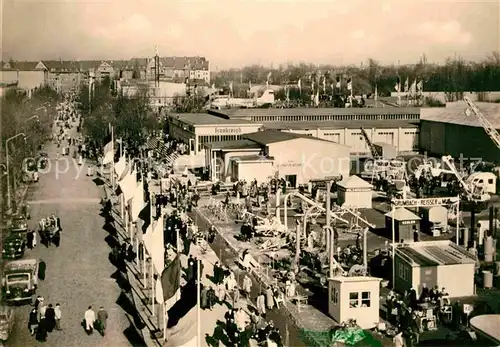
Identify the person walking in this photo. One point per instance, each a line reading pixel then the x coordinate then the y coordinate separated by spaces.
pixel 58 315
pixel 261 304
pixel 102 317
pixel 29 239
pixel 247 286
pixel 50 318
pixel 41 270
pixel 33 321
pixel 89 318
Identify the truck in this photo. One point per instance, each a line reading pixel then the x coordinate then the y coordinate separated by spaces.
pixel 20 280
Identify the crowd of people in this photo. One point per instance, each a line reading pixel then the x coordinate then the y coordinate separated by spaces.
pixel 44 319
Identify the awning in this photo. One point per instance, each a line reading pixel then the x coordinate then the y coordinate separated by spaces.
pixel 152 143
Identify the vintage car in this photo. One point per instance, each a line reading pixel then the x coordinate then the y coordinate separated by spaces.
pixel 20 280
pixel 19 223
pixel 42 160
pixel 6 322
pixel 14 246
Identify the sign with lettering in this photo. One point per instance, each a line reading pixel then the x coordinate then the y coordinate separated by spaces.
pixel 424 202
pixel 227 130
pixel 290 165
pixel 356 190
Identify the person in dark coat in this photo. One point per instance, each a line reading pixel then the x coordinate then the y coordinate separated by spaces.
pixel 41 270
pixel 211 234
pixel 41 331
pixel 211 298
pixel 58 223
pixel 30 236
pixel 204 298
pixel 33 321
pixel 187 244
pixel 190 269
pixel 50 318
pixel 56 239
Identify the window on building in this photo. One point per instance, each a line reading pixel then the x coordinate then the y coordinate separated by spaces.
pixel 353 299
pixel 335 296
pixel 365 299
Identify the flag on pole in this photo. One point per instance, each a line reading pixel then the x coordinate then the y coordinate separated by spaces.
pixel 407 85
pixel 170 280
pixel 420 86
pixel 128 185
pixel 120 167
pixel 299 84
pixel 398 84
pixel 349 84
pixel 376 93
pixel 413 89
pixel 324 84
pixel 158 251
pixel 316 98
pixel 269 76
pixel 145 216
pixel 287 93
pixel 108 149
pixel 231 87
pixel 339 83
pixel 312 87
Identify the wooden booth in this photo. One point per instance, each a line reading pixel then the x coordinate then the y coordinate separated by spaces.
pixel 354 298
pixel 405 224
pixel 355 192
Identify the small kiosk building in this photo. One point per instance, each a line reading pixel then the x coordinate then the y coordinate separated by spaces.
pixel 405 223
pixel 434 263
pixel 355 298
pixel 355 192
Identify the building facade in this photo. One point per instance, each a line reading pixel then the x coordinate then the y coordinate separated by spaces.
pixel 63 76
pixel 180 69
pixel 449 131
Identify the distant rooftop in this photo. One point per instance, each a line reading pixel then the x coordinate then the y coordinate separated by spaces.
pixel 434 253
pixel 341 124
pixel 207 119
pixel 272 136
pixel 454 113
pixel 235 113
pixel 230 145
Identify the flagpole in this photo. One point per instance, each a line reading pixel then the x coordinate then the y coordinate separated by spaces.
pixel 121 147
pixel 164 306
pixel 352 87
pixel 113 159
pixel 178 245
pixel 198 308
pixel 152 288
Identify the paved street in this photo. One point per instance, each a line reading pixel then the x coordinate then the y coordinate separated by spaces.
pixel 78 272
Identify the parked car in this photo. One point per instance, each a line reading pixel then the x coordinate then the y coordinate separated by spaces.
pixel 19 223
pixel 14 246
pixel 6 322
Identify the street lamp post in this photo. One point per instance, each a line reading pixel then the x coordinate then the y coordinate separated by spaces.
pixel 9 200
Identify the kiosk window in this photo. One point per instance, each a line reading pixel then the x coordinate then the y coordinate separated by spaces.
pixel 365 299
pixel 335 296
pixel 353 299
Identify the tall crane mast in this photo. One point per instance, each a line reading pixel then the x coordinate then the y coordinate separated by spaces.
pixel 490 129
pixel 373 149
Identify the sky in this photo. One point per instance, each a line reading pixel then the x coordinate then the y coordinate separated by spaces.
pixel 234 33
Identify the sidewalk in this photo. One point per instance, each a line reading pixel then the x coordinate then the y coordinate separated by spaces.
pixel 141 291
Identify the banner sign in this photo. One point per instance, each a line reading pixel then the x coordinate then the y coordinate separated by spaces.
pixel 424 202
